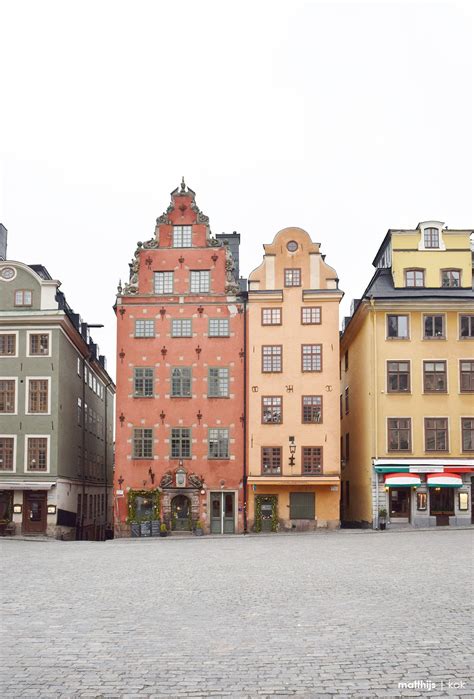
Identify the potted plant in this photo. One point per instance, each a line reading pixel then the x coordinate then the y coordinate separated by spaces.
pixel 198 530
pixel 163 530
pixel 382 518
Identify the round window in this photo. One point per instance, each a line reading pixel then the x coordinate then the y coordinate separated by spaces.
pixel 292 246
pixel 7 273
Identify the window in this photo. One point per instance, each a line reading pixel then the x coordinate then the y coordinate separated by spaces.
pixel 451 278
pixel 346 400
pixel 218 327
pixel 182 236
pixel 142 443
pixel 7 450
pixel 414 277
pixel 340 406
pixel 436 434
pixel 38 395
pixel 434 377
pixel 144 328
pixel 143 382
pixel 79 412
pixel 311 357
pixel 163 282
pixel 433 327
pixel 466 327
pixel 466 368
pixel 180 443
pixel 292 277
pixel 399 434
pixel 39 344
pixel 37 454
pixel 398 377
pixel 311 459
pixel 347 446
pixel 78 366
pixel 272 410
pixel 271 358
pixel 181 328
pixel 23 297
pixel 7 396
pixel 271 461
pixel 311 315
pixel 218 440
pixel 181 382
pixel 397 327
pixel 312 409
pixel 467 424
pixel 218 382
pixel 431 238
pixel 200 282
pixel 7 345
pixel 302 506
pixel 292 246
pixel 346 360
pixel 271 316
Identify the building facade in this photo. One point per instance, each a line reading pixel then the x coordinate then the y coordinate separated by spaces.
pixel 293 377
pixel 56 413
pixel 180 386
pixel 407 384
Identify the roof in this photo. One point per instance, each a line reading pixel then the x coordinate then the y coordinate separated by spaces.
pixel 381 287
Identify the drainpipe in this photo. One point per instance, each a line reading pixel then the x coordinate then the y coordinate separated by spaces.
pixel 376 411
pixel 106 435
pixel 244 475
pixel 83 459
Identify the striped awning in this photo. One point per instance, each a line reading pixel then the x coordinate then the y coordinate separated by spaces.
pixel 397 480
pixel 444 480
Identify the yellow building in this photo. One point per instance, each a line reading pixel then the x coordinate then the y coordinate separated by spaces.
pixel 293 378
pixel 407 384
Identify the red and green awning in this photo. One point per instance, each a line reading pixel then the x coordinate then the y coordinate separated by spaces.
pixel 402 480
pixel 444 480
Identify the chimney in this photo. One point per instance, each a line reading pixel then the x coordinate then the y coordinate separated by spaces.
pixel 3 242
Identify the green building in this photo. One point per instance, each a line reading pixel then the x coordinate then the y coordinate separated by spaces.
pixel 56 413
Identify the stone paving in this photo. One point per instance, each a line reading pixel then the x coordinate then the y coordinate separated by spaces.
pixel 346 614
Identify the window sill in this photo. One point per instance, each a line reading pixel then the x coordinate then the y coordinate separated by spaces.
pixel 186 397
pixel 146 397
pixel 218 458
pixel 399 393
pixel 218 397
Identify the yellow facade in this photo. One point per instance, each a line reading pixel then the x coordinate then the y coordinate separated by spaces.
pixel 368 356
pixel 317 289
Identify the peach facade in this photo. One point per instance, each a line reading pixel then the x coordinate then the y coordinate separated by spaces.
pixel 180 365
pixel 293 378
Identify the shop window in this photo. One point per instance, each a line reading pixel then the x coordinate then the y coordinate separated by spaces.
pixel 302 505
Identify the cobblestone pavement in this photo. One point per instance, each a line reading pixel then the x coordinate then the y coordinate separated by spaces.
pixel 346 614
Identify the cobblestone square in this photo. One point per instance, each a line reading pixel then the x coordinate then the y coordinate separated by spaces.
pixel 346 613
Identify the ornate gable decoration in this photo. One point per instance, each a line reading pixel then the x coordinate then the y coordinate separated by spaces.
pixel 178 477
pixel 182 191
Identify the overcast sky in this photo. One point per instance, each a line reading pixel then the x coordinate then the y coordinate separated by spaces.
pixel 343 118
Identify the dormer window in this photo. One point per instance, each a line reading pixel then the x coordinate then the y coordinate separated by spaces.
pixel 451 278
pixel 182 236
pixel 414 277
pixel 431 237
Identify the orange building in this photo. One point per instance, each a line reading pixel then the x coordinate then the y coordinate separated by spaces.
pixel 293 397
pixel 180 379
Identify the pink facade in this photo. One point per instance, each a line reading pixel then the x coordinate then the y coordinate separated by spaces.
pixel 180 369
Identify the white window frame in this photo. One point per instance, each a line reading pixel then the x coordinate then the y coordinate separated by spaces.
pixel 431 224
pixel 37 332
pixel 15 332
pixel 48 447
pixel 163 278
pixel 27 393
pixel 200 272
pixel 14 437
pixel 180 322
pixel 181 233
pixel 15 379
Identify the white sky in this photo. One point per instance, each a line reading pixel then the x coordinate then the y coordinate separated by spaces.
pixel 345 119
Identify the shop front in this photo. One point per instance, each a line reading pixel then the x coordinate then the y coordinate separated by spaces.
pixel 423 494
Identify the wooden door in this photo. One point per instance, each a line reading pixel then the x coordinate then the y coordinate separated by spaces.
pixel 34 511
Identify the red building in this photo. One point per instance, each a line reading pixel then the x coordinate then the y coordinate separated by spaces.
pixel 180 378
